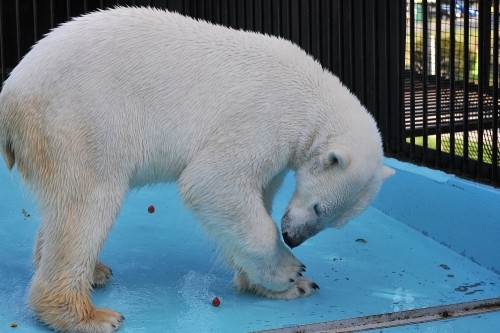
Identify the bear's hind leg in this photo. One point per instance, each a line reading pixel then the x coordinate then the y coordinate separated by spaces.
pixel 102 273
pixel 74 227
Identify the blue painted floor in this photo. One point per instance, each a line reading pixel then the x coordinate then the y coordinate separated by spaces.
pixel 166 271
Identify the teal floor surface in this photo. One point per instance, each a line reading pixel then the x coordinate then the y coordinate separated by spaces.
pixel 166 271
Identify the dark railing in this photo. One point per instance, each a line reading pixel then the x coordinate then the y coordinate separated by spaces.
pixel 405 76
pixel 451 86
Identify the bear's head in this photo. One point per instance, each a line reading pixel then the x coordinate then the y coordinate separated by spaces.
pixel 335 184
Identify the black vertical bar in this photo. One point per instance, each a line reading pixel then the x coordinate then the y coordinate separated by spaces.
pixel 295 23
pixel 224 12
pixel 315 29
pixel 358 53
pixel 241 19
pixel 372 57
pixel 215 11
pixel 437 44
pixel 2 45
pixel 267 7
pixel 206 9
pixel 494 157
pixel 465 161
pixel 363 41
pixel 233 13
pixel 345 43
pixel 52 18
pixel 412 79
pixel 250 17
pixel 259 26
pixel 425 78
pixel 349 21
pixel 386 85
pixel 396 24
pixel 18 31
pixel 185 7
pixel 35 21
pixel 452 84
pixel 341 34
pixel 325 10
pixel 382 9
pixel 305 19
pixel 336 29
pixel 285 19
pixel 362 49
pixel 193 9
pixel 276 15
pixel 399 118
pixel 482 76
pixel 175 6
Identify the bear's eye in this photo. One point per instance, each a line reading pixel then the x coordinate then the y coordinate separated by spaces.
pixel 317 210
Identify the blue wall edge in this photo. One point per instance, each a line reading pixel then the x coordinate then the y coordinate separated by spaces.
pixel 460 214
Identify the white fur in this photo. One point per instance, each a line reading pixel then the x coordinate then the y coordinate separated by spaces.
pixel 127 97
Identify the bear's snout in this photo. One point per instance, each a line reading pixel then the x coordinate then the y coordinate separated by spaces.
pixel 290 241
pixel 290 236
pixel 287 238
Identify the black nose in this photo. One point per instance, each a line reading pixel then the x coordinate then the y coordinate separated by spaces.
pixel 289 240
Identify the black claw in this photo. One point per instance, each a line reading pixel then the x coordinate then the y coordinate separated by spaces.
pixel 110 272
pixel 302 268
pixel 299 274
pixel 122 319
pixel 301 291
pixel 314 286
pixel 291 280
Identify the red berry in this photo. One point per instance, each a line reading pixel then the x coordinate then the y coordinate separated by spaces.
pixel 216 301
pixel 151 209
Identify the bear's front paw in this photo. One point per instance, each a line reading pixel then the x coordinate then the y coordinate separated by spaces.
pixel 277 276
pixel 276 272
pixel 301 287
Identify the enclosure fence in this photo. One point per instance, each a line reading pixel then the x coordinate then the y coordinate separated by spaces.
pixel 451 85
pixel 427 70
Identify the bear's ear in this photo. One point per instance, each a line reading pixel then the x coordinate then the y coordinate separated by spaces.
pixel 387 172
pixel 334 158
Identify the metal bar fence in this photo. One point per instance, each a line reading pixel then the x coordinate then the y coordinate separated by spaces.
pixel 451 86
pixel 424 69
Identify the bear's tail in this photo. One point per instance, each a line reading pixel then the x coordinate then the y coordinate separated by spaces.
pixel 6 142
pixel 6 146
pixel 8 154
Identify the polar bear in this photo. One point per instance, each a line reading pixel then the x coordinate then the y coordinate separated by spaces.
pixel 125 97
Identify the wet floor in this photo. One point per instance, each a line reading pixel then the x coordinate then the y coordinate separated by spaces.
pixel 166 272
